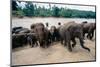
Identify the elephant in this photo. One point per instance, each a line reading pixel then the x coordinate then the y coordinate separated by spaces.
pixel 54 34
pixel 84 22
pixel 16 29
pixel 42 34
pixel 47 24
pixel 19 40
pixel 31 39
pixel 32 26
pixel 24 30
pixel 68 32
pixel 89 28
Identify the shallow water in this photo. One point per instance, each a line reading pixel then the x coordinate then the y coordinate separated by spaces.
pixel 26 22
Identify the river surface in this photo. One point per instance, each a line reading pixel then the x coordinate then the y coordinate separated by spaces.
pixel 26 22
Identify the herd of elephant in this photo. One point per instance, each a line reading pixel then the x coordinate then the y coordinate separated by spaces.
pixel 40 35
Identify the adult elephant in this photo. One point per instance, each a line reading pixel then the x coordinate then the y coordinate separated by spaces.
pixel 42 34
pixel 24 30
pixel 89 28
pixel 17 30
pixel 68 32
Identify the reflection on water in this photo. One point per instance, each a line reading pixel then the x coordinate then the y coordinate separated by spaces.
pixel 26 22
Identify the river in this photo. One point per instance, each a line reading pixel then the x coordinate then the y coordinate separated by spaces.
pixel 26 21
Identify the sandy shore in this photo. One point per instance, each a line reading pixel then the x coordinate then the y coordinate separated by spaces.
pixel 56 53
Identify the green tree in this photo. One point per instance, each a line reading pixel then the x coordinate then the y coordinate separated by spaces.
pixel 29 9
pixel 14 5
pixel 55 11
pixel 35 10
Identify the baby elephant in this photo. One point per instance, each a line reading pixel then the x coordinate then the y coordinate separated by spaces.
pixel 32 40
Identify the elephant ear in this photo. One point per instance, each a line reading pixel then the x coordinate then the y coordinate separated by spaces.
pixel 70 29
pixel 33 26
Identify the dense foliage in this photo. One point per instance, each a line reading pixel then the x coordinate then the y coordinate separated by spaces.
pixel 32 10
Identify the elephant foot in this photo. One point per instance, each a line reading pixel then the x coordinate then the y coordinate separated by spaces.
pixel 65 45
pixel 36 45
pixel 31 46
pixel 61 42
pixel 42 47
pixel 83 38
pixel 70 50
pixel 48 45
pixel 73 45
pixel 90 38
pixel 88 49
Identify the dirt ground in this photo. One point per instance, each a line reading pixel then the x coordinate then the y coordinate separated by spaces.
pixel 56 53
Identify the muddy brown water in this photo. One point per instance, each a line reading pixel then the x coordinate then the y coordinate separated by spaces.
pixel 26 22
pixel 56 53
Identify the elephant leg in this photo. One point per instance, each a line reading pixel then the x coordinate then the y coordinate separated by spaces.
pixel 42 45
pixel 89 35
pixel 92 34
pixel 46 44
pixel 65 43
pixel 83 35
pixel 74 42
pixel 36 44
pixel 30 42
pixel 82 45
pixel 53 39
pixel 69 46
pixel 61 41
pixel 67 40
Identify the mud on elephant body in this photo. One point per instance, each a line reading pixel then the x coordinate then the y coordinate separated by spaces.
pixel 68 32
